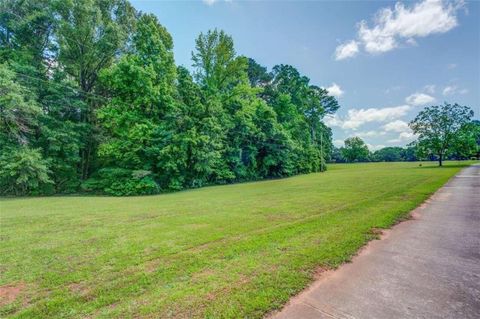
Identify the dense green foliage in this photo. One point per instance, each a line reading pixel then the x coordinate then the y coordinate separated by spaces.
pixel 230 251
pixel 355 150
pixel 92 97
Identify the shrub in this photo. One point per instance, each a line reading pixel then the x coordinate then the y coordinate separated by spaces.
pixel 22 171
pixel 121 182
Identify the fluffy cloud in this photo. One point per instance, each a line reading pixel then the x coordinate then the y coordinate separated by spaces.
pixel 403 137
pixel 357 117
pixel 335 90
pixel 370 134
pixel 333 120
pixel 418 99
pixel 396 126
pixel 453 89
pixel 346 50
pixel 449 90
pixel 401 25
pixel 405 134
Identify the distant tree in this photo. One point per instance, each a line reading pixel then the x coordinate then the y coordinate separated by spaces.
pixel 388 154
pixel 408 154
pixel 355 149
pixel 439 128
pixel 337 156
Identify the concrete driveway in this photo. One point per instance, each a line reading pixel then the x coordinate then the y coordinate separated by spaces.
pixel 428 267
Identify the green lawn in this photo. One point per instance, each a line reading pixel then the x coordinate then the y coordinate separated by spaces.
pixel 224 251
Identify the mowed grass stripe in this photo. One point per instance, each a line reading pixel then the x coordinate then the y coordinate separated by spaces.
pixel 224 251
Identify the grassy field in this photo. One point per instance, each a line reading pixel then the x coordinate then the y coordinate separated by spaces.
pixel 225 251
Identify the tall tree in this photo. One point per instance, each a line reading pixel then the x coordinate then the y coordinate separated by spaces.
pixel 91 33
pixel 320 104
pixel 26 28
pixel 137 119
pixel 217 68
pixel 22 169
pixel 28 36
pixel 61 132
pixel 439 127
pixel 196 136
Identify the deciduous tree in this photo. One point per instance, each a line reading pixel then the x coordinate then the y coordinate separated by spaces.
pixel 355 149
pixel 439 128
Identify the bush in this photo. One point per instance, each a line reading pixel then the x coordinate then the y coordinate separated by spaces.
pixel 23 171
pixel 121 182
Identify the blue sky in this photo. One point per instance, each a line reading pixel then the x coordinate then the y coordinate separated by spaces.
pixel 384 60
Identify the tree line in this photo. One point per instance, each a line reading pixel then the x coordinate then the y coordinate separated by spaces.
pixel 92 100
pixel 444 132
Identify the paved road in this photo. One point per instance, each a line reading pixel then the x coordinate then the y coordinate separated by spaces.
pixel 428 267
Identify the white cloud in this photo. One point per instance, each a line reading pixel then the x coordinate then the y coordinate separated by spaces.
pixel 417 99
pixel 335 90
pixel 404 137
pixel 449 90
pixel 396 126
pixel 357 117
pixel 346 50
pixel 453 89
pixel 370 134
pixel 392 28
pixel 333 120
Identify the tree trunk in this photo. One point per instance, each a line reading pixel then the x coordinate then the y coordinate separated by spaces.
pixel 440 158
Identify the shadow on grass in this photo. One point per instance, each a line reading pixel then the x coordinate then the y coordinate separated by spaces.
pixel 447 165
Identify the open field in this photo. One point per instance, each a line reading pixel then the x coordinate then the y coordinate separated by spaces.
pixel 223 251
